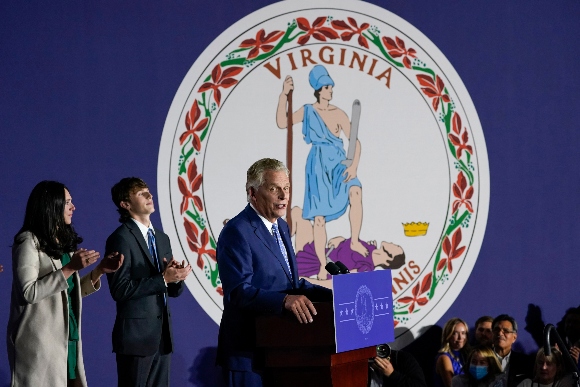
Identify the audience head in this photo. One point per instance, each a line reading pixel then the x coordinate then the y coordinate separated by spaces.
pixel 572 325
pixel 483 334
pixel 548 369
pixel 505 333
pixel 483 365
pixel 454 336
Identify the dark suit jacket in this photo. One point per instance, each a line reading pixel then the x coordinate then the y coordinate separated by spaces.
pixel 521 366
pixel 138 289
pixel 255 280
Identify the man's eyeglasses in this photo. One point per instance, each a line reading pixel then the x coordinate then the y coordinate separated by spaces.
pixel 505 331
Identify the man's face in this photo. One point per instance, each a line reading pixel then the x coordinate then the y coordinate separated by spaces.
pixel 483 335
pixel 504 335
pixel 140 203
pixel 386 253
pixel 271 198
pixel 392 249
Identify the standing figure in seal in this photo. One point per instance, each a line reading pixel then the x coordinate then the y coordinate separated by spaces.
pixel 330 185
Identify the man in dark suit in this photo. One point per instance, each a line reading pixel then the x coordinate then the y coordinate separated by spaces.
pixel 258 271
pixel 142 332
pixel 516 366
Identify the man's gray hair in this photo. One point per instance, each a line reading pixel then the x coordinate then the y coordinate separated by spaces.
pixel 255 175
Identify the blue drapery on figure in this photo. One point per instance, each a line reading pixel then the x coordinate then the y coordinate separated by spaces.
pixel 326 193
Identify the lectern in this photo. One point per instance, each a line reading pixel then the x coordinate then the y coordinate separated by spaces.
pixel 296 355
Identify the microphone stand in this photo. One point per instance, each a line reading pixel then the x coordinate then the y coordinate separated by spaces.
pixel 571 364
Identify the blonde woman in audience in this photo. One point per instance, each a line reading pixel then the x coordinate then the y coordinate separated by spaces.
pixel 454 349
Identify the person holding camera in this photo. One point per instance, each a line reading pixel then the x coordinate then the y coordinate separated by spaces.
pixel 391 368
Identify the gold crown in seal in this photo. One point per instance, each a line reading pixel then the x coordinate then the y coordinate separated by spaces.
pixel 415 229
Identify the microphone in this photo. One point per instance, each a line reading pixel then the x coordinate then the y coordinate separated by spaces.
pixel 342 267
pixel 332 268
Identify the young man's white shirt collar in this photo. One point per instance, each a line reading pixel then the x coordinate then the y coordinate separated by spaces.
pixel 144 230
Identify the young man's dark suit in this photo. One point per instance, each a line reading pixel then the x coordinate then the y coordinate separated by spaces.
pixel 143 322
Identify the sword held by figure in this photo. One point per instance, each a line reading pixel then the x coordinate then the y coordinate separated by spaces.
pixel 354 121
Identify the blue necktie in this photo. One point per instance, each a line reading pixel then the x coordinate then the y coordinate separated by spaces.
pixel 153 251
pixel 153 248
pixel 281 246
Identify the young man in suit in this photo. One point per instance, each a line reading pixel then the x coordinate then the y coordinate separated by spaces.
pixel 149 275
pixel 258 271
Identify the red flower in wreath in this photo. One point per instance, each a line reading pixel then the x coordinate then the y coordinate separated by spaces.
pixel 451 249
pixel 262 42
pixel 219 290
pixel 193 126
pixel 419 289
pixel 188 190
pixel 198 245
pixel 220 79
pixel 433 89
pixel 351 30
pixel 463 196
pixel 317 31
pixel 458 139
pixel 191 232
pixel 397 49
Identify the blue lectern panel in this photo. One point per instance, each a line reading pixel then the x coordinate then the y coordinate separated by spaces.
pixel 363 309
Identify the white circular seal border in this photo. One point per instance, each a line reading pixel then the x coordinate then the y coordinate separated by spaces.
pixel 202 65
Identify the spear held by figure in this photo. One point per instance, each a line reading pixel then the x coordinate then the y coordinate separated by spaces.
pixel 289 159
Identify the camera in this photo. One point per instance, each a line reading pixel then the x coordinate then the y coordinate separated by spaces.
pixel 383 351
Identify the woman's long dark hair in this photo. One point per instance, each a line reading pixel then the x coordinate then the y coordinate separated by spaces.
pixel 45 219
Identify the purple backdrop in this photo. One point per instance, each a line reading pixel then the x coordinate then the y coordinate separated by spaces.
pixel 85 88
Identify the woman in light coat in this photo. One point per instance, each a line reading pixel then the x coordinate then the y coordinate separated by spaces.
pixel 44 329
